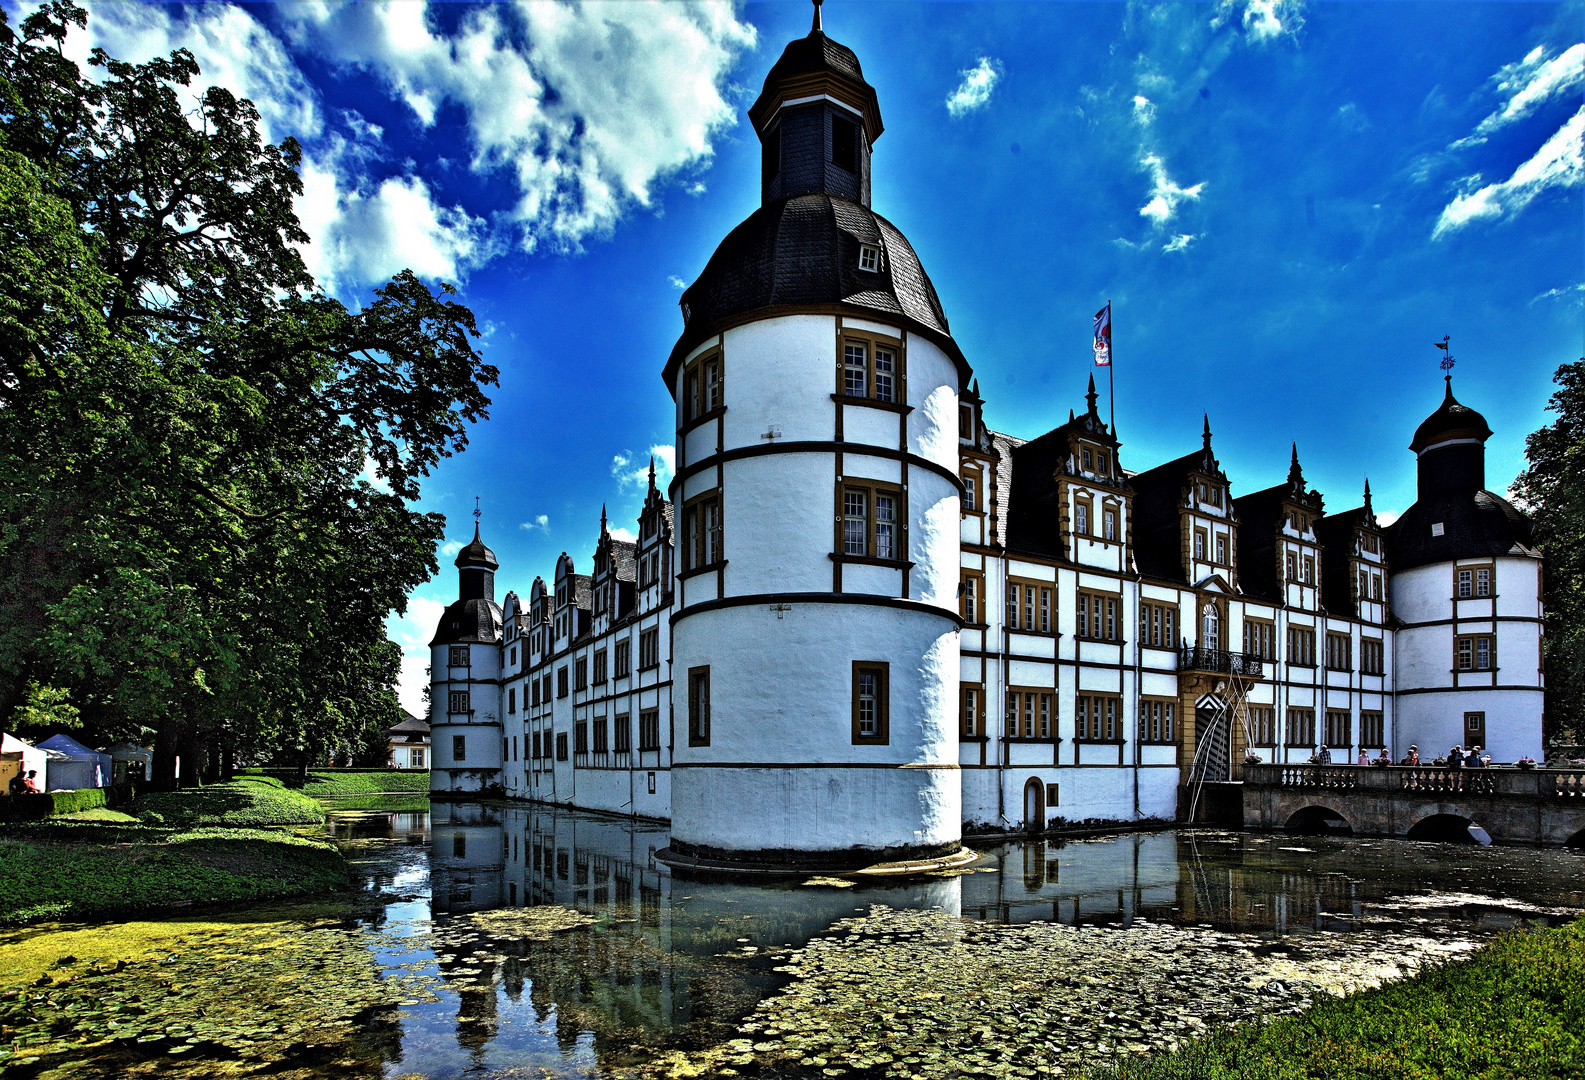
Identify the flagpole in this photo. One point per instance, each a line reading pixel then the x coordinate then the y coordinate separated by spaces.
pixel 1111 392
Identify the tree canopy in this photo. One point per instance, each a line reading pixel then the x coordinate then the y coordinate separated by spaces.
pixel 1552 490
pixel 207 464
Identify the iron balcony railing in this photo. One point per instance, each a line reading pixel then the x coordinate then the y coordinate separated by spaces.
pixel 1196 658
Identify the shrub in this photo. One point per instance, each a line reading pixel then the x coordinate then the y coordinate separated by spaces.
pixel 46 804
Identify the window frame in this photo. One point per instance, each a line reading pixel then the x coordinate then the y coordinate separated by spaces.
pixel 1262 720
pixel 456 697
pixel 1087 714
pixel 699 705
pixel 459 748
pixel 1474 642
pixel 1156 713
pixel 1475 570
pixel 1372 729
pixel 622 733
pixel 1335 642
pixel 651 638
pixel 1031 714
pixel 1084 615
pixel 1372 656
pixel 971 711
pixel 1301 642
pixel 697 543
pixel 1158 619
pixel 458 656
pixel 872 345
pixel 976 578
pixel 1304 727
pixel 649 725
pixel 881 671
pixel 701 398
pixel 624 659
pixel 1339 725
pixel 1268 638
pixel 871 491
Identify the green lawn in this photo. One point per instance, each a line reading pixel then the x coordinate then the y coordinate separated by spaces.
pixel 1514 1011
pixel 367 783
pixel 250 802
pixel 43 879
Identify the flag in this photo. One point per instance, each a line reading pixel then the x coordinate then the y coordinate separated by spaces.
pixel 1103 337
pixel 1441 344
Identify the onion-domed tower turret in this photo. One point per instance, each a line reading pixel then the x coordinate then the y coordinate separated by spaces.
pixel 814 645
pixel 1466 580
pixel 465 679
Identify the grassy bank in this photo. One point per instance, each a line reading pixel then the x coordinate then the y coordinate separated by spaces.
pixel 391 781
pixel 1515 1010
pixel 55 879
pixel 253 802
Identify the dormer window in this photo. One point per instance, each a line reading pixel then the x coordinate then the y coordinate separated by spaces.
pixel 870 258
pixel 1102 461
pixel 1086 460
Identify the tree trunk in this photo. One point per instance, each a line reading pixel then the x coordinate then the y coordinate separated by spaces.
pixel 228 761
pixel 195 756
pixel 162 770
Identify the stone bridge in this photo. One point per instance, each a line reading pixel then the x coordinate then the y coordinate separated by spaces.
pixel 1514 806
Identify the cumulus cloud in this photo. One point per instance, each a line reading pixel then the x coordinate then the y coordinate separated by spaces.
pixel 541 523
pixel 1144 109
pixel 412 632
pixel 1528 84
pixel 1165 194
pixel 1180 242
pixel 451 547
pixel 1560 163
pixel 676 282
pixel 627 535
pixel 1262 20
pixel 632 470
pixel 587 106
pixel 974 91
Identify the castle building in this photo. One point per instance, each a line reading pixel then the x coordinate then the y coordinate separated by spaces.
pixel 988 633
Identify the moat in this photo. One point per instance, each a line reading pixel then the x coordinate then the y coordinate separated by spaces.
pixel 494 941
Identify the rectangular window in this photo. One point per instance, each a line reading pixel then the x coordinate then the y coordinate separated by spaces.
pixel 1371 731
pixel 701 387
pixel 870 694
pixel 1364 584
pixel 1156 718
pixel 1482 581
pixel 1475 729
pixel 534 746
pixel 1221 548
pixel 648 649
pixel 1262 726
pixel 547 688
pixel 1046 596
pixel 1098 616
pixel 1199 544
pixel 459 748
pixel 1368 542
pixel 1339 652
pixel 599 667
pixel 623 732
pixel 973 706
pixel 1339 732
pixel 514 749
pixel 1157 625
pixel 1371 656
pixel 699 706
pixel 971 608
pixel 649 729
pixel 1099 718
pixel 870 526
pixel 1475 653
pixel 602 743
pixel 869 258
pixel 580 673
pixel 561 746
pixel 1029 606
pixel 561 682
pixel 1292 566
pixel 1109 524
pixel 418 758
pixel 511 701
pixel 457 656
pixel 1301 647
pixel 855 369
pixel 580 737
pixel 1466 584
pixel 1081 517
pixel 457 702
pixel 885 374
pixel 701 522
pixel 1375 586
pixel 971 489
pixel 1260 639
pixel 1301 727
pixel 533 687
pixel 1309 570
pixel 624 659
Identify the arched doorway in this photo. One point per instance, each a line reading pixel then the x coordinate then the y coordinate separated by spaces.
pixel 1448 829
pixel 1034 806
pixel 1576 843
pixel 1319 821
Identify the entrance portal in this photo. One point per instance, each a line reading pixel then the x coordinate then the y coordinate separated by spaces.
pixel 1034 806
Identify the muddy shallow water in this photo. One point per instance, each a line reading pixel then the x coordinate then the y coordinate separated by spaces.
pixel 513 942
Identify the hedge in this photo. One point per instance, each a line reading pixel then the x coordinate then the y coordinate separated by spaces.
pixel 46 804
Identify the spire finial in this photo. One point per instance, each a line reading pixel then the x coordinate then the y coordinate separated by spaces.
pixel 652 470
pixel 817 28
pixel 602 517
pixel 1295 474
pixel 1206 435
pixel 1368 511
pixel 477 513
pixel 1091 395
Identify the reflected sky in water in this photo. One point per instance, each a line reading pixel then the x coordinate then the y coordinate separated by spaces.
pixel 672 962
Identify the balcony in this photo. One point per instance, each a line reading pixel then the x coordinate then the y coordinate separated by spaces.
pixel 1195 658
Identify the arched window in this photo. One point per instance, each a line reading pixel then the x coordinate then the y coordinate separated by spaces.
pixel 1211 628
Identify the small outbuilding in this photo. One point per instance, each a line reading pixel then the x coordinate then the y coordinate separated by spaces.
pixel 129 761
pixel 78 767
pixel 409 742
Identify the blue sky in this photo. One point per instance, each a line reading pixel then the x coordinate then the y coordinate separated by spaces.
pixel 1287 203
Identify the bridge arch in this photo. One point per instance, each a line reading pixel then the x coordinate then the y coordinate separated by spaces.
pixel 1576 842
pixel 1319 820
pixel 1448 827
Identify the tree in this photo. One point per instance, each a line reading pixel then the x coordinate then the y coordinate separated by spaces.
pixel 1552 491
pixel 189 540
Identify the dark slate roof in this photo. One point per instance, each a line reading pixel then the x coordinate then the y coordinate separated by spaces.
pixel 1336 534
pixel 469 621
pixel 624 559
pixel 1260 515
pixel 1475 524
pixel 1002 446
pixel 1450 421
pixel 806 55
pixel 583 591
pixel 1034 522
pixel 805 251
pixel 409 723
pixel 1158 524
pixel 669 513
pixel 476 554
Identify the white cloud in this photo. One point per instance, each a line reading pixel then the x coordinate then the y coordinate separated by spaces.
pixel 588 106
pixel 1528 84
pixel 362 229
pixel 676 282
pixel 627 535
pixel 1574 294
pixel 632 470
pixel 451 547
pixel 1387 517
pixel 1262 20
pixel 541 523
pixel 412 632
pixel 1180 242
pixel 974 92
pixel 1165 194
pixel 1560 163
pixel 1144 109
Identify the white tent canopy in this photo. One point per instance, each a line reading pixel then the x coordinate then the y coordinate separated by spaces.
pixel 82 767
pixel 20 756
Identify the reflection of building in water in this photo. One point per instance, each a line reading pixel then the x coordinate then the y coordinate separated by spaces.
pixel 859 620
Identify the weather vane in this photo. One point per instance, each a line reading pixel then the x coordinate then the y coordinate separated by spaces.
pixel 1447 357
pixel 476 512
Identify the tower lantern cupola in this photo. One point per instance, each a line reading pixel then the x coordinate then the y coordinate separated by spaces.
pixel 817 120
pixel 476 567
pixel 1451 448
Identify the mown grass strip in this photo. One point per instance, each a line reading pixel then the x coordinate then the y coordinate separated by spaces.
pixel 248 802
pixel 1513 1011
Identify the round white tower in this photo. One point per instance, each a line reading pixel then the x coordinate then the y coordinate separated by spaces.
pixel 465 680
pixel 815 637
pixel 1466 585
